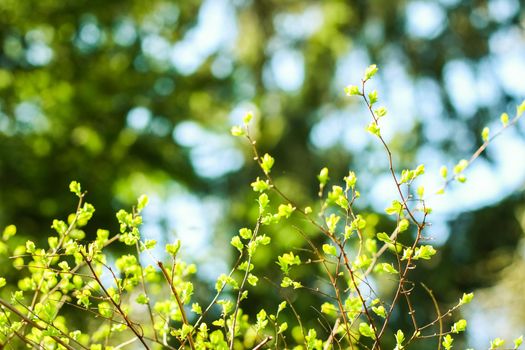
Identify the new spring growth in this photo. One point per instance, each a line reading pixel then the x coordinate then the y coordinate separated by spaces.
pixel 520 109
pixel 267 162
pixel 374 129
pixel 352 90
pixel 504 119
pixel 447 342
pixel 323 179
pixel 247 117
pixel 238 130
pixel 459 168
pixel 485 133
pixel 370 72
pixel 372 97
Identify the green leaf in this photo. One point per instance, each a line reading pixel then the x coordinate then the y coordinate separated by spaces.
pixel 504 119
pixel 466 298
pixel 9 232
pixel 245 233
pixel 352 90
pixel 372 96
pixel 286 260
pixel 2 282
pixel 285 211
pixel 142 299
pixel 105 309
pixel 420 170
pixel 329 249
pixel 366 330
pixel 358 223
pixel 485 134
pixel 237 131
pixel 286 282
pixel 461 178
pixel 370 71
pixel 379 311
pixel 407 253
pixel 252 279
pixel 237 243
pixel 30 247
pixel 260 185
pixel 263 202
pixel 459 326
pixel 381 112
pixel 496 343
pixel 388 268
pixel 267 162
pixel 150 243
pixel 462 165
pixel 331 222
pixel 261 320
pixel 443 172
pixel 329 309
pixel 371 245
pixel 400 338
pixel 350 180
pixel 374 129
pixel 247 117
pixel 244 266
pixel 521 109
pixel 323 176
pixel 424 252
pixel 283 327
pixel 362 261
pixel 447 342
pixel 395 208
pixel 218 323
pixel 518 342
pixel 142 202
pixel 74 187
pixel 173 249
pixel 421 191
pixel 384 237
pixel 282 306
pixel 403 225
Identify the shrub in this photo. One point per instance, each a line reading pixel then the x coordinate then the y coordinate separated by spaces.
pixel 150 305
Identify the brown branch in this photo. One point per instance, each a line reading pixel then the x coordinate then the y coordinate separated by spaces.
pixel 116 305
pixel 438 312
pixel 262 343
pixel 27 320
pixel 179 302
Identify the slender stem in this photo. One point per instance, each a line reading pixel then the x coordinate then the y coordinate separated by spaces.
pixel 262 343
pixel 115 304
pixel 321 228
pixel 241 287
pixel 332 335
pixel 27 320
pixel 179 302
pixel 438 312
pixel 144 289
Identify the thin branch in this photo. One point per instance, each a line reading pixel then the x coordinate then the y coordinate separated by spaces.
pixel 241 287
pixel 179 302
pixel 438 312
pixel 262 343
pixel 116 305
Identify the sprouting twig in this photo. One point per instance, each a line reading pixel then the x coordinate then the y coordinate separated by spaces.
pixel 438 312
pixel 179 302
pixel 262 343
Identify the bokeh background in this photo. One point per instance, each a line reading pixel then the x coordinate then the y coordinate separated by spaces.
pixel 136 96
